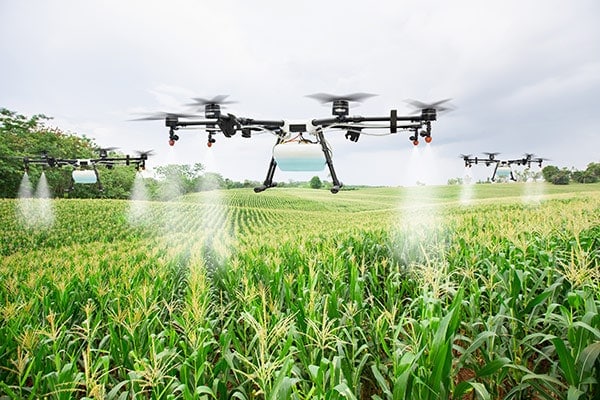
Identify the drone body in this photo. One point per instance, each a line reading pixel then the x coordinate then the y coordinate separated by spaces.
pixel 502 168
pixel 300 144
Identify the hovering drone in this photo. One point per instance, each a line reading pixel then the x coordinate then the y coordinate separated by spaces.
pixel 301 145
pixel 85 170
pixel 502 167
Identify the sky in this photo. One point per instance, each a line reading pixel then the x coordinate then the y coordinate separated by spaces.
pixel 524 76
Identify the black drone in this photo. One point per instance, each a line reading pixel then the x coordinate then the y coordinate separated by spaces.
pixel 301 145
pixel 85 170
pixel 502 167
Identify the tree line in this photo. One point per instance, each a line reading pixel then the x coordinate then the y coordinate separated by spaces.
pixel 563 176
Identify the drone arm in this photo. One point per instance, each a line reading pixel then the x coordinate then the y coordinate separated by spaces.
pixel 118 160
pixel 184 124
pixel 358 119
pixel 264 123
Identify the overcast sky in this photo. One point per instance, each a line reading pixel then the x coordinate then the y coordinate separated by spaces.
pixel 524 76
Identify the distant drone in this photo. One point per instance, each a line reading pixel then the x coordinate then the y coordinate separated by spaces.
pixel 301 145
pixel 502 168
pixel 85 171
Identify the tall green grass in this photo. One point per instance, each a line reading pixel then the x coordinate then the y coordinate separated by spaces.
pixel 293 295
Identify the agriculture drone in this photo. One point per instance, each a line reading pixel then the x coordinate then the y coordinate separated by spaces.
pixel 502 168
pixel 301 145
pixel 85 170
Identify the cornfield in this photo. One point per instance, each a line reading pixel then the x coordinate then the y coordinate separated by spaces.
pixel 297 294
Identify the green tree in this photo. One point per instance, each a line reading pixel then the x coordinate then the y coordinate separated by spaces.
pixel 211 181
pixel 315 182
pixel 562 177
pixel 593 169
pixel 177 179
pixel 549 171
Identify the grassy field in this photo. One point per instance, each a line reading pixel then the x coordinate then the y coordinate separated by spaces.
pixel 485 292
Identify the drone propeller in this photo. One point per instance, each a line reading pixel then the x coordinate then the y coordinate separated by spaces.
pixel 212 107
pixel 491 155
pixel 144 154
pixel 159 115
pixel 437 106
pixel 103 151
pixel 217 100
pixel 465 156
pixel 328 98
pixel 340 106
pixel 528 155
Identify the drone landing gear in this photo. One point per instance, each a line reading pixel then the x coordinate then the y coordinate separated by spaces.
pixel 268 183
pixel 336 183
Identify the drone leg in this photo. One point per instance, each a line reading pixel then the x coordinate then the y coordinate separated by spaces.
pixel 494 174
pixel 268 183
pixel 100 188
pixel 336 183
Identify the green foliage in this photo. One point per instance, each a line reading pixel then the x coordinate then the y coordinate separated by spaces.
pixel 562 177
pixel 549 171
pixel 558 176
pixel 374 293
pixel 590 175
pixel 315 183
pixel 455 181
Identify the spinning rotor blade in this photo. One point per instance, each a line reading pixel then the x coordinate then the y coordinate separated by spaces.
pixel 160 115
pixel 217 100
pixel 492 155
pixel 437 105
pixel 103 151
pixel 465 156
pixel 143 154
pixel 328 98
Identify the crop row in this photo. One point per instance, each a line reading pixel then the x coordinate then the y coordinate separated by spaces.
pixel 218 301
